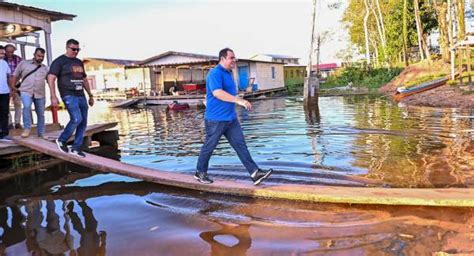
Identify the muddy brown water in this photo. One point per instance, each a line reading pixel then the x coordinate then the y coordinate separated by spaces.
pixel 350 141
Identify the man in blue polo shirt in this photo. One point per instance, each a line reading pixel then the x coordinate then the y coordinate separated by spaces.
pixel 221 119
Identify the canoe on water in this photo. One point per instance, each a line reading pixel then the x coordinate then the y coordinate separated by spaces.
pixel 404 92
pixel 124 103
pixel 177 106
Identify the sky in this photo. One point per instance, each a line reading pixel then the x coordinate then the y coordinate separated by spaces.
pixel 136 30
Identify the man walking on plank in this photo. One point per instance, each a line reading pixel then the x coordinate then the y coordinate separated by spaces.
pixel 72 80
pixel 221 119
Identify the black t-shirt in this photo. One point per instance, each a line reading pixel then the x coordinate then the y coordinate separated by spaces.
pixel 70 73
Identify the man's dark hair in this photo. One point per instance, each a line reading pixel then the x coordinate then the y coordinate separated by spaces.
pixel 223 53
pixel 1 47
pixel 72 41
pixel 39 49
pixel 8 46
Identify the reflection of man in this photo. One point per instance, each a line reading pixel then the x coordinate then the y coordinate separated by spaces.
pixel 221 119
pixel 91 242
pixel 49 239
pixel 14 233
pixel 13 61
pixel 69 71
pixel 240 232
pixel 33 75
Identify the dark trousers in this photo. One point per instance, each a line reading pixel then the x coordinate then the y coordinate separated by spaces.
pixel 4 110
pixel 233 133
pixel 77 108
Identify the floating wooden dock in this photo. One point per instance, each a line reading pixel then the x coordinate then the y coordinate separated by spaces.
pixel 453 197
pixel 198 99
pixel 52 132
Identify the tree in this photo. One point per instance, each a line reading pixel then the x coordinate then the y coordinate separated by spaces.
pixel 405 32
pixel 366 31
pixel 461 19
pixel 442 11
pixel 419 28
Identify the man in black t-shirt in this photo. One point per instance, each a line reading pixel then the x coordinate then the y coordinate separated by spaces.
pixel 69 71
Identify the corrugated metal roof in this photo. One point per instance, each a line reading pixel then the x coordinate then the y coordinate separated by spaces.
pixel 120 62
pixel 168 53
pixel 327 66
pixel 55 16
pixel 279 56
pixel 200 58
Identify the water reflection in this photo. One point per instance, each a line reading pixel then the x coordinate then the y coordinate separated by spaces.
pixel 49 239
pixel 81 215
pixel 11 223
pixel 228 239
pixel 358 136
pixel 92 242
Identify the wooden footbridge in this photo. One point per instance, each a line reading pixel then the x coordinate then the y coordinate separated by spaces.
pixel 453 197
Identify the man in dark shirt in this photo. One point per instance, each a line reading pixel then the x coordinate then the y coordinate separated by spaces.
pixel 72 80
pixel 221 119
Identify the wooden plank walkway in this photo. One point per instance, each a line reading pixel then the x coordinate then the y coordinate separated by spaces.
pixel 455 197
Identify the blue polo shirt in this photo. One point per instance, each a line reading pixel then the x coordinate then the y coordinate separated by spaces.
pixel 216 109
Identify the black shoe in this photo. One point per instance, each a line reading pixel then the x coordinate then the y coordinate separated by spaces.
pixel 203 178
pixel 18 126
pixel 260 175
pixel 77 153
pixel 62 146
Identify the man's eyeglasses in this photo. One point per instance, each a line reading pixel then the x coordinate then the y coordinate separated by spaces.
pixel 74 49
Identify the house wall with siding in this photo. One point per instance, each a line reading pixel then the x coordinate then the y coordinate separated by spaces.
pixel 264 77
pixel 105 75
pixel 294 75
pixel 139 78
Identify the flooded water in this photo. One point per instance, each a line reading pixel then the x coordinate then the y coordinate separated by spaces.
pixel 350 141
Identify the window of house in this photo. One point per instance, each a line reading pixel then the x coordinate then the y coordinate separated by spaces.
pixel 273 72
pixel 291 74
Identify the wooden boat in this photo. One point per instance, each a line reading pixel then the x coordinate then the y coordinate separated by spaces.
pixel 177 106
pixel 124 103
pixel 404 92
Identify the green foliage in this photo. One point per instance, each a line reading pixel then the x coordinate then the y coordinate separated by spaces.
pixel 392 12
pixel 361 76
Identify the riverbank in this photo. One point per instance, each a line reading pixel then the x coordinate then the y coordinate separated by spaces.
pixel 445 96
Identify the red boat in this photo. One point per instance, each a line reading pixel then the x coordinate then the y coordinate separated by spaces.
pixel 177 106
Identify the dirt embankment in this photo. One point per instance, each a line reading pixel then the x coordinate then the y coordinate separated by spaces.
pixel 444 96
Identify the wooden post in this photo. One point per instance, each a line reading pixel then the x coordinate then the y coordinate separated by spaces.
pixel 469 65
pixel 54 112
pixel 311 84
pixel 460 51
pixel 163 80
pixel 47 37
pixel 22 50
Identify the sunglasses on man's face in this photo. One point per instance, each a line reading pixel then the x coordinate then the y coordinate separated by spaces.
pixel 74 49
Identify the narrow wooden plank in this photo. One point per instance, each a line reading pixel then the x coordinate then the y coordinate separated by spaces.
pixel 455 197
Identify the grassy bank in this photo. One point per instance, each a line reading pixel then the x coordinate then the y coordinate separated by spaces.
pixel 361 76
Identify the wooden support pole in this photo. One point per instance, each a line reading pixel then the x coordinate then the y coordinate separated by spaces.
pixel 460 53
pixel 47 37
pixel 468 56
